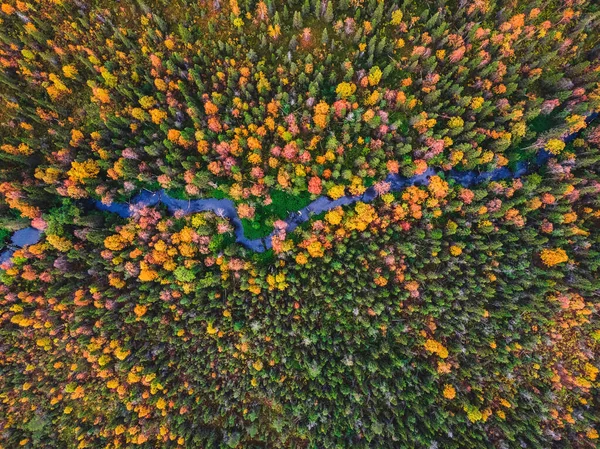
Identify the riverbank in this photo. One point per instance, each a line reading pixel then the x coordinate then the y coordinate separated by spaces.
pixel 226 208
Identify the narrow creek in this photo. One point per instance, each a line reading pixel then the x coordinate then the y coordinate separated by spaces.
pixel 226 207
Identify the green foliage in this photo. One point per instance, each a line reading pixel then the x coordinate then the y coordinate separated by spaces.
pixel 182 274
pixel 4 237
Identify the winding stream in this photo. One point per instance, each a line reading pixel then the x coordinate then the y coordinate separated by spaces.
pixel 226 207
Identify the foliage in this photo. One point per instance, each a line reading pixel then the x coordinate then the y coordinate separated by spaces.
pixel 441 315
pixel 4 237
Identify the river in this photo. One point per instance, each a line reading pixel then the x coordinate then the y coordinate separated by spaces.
pixel 226 207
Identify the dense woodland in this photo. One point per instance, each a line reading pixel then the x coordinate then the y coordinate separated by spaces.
pixel 439 316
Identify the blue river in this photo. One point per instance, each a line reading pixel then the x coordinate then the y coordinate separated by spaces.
pixel 226 207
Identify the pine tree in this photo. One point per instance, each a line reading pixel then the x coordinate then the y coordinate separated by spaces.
pixel 377 15
pixel 316 7
pixel 329 12
pixel 297 21
pixel 324 37
pixel 306 8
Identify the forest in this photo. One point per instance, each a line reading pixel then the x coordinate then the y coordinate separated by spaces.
pixel 308 224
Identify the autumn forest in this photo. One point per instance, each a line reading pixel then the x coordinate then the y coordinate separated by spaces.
pixel 312 224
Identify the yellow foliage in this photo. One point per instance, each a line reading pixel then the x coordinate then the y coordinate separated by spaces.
pixel 59 243
pixel 455 122
pixel 49 175
pixel 371 100
pixel 116 281
pixel 21 149
pixel 138 113
pixel 258 365
pixel 356 186
pixel 110 79
pixel 157 116
pixel 277 281
pixel 455 250
pixel 336 192
pixel 121 354
pixel 21 320
pixel 274 31
pixel 365 214
pixel 147 102
pixel 80 171
pixel 438 187
pixel 449 392
pixel 320 120
pixel 552 257
pixel 436 348
pixel 301 258
pixel 396 17
pixel 334 216
pixel 114 242
pixel 375 76
pixel 555 146
pixel 345 90
pixel 70 71
pixel 147 275
pixel 100 95
pixel 45 343
pixel 591 371
pixel 477 102
pixel 140 310
pixel 315 249
pixel 322 108
pixel 254 158
pixel 474 414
